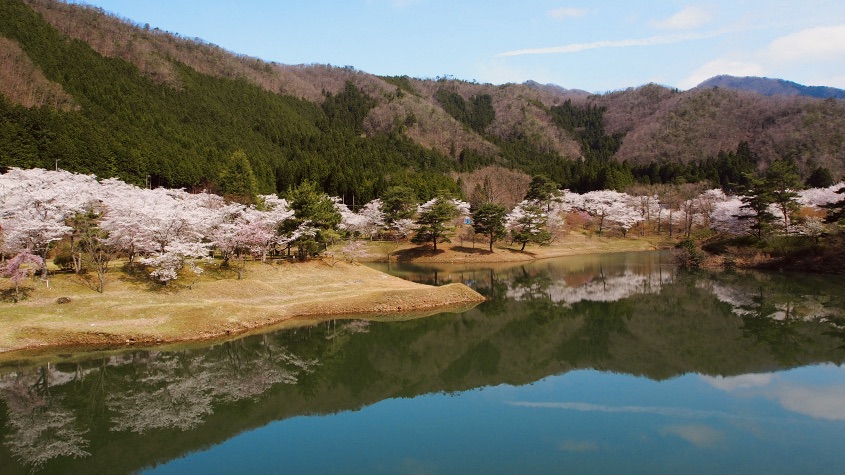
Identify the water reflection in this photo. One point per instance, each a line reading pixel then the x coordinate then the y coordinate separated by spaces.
pixel 632 313
pixel 819 400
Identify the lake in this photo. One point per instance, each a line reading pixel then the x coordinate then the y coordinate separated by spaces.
pixel 618 363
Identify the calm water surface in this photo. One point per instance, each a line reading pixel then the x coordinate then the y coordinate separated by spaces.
pixel 599 364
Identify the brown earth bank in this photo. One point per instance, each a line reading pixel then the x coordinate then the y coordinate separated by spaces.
pixel 135 311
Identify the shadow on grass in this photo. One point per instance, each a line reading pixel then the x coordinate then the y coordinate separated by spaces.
pixel 472 250
pixel 517 251
pixel 10 296
pixel 407 255
pixel 139 275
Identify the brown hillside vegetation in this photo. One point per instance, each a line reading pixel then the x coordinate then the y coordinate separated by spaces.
pixel 659 123
pixel 156 52
pixel 665 124
pixel 23 83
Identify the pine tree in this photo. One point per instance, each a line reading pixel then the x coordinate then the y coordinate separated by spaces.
pixel 434 223
pixel 489 220
pixel 237 181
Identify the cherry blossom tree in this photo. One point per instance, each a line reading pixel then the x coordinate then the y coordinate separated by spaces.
pixel 166 265
pixel 820 197
pixel 36 204
pixel 727 217
pixel 20 267
pixel 612 208
pixel 366 222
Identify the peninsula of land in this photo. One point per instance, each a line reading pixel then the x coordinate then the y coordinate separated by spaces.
pixel 134 310
pixel 130 312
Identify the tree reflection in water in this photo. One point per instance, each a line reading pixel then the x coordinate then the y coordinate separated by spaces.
pixel 632 314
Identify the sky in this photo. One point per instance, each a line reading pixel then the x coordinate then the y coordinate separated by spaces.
pixel 597 46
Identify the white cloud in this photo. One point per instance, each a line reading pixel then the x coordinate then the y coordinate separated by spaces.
pixel 686 19
pixel 567 12
pixel 745 381
pixel 578 47
pixel 578 446
pixel 813 44
pixel 698 435
pixel 654 410
pixel 721 66
pixel 819 403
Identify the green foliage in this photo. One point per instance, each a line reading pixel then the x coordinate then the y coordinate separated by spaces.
pixel 531 227
pixel 95 251
pixel 134 128
pixel 729 170
pixel 435 223
pixel 757 198
pixel 489 220
pixel 776 188
pixel 782 180
pixel 316 210
pixel 543 191
pixel 836 210
pixel 820 178
pixel 577 175
pixel 689 256
pixel 477 113
pixel 401 82
pixel 587 124
pixel 347 108
pixel 131 127
pixel 399 202
pixel 237 181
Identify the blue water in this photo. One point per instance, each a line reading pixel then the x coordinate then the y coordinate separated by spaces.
pixel 593 365
pixel 581 422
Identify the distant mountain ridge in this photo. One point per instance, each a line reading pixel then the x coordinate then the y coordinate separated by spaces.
pixel 95 93
pixel 772 87
pixel 554 88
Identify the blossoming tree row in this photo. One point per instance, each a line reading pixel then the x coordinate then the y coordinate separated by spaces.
pixel 169 229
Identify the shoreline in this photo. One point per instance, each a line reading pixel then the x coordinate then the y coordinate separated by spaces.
pixel 135 312
pixel 129 314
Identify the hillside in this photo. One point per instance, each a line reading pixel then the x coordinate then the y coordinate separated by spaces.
pixel 772 87
pixel 94 93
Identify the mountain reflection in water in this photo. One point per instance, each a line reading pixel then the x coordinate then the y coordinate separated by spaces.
pixel 544 323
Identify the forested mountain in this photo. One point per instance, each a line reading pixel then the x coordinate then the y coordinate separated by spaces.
pixel 90 92
pixel 772 87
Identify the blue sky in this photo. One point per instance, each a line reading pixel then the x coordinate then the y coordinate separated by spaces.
pixel 593 45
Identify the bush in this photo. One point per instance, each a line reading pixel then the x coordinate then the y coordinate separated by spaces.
pixel 689 255
pixel 721 245
pixel 63 261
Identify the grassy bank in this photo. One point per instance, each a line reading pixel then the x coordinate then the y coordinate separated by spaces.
pixel 133 310
pixel 467 252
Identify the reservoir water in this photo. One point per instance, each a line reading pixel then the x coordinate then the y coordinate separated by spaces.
pixel 617 363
